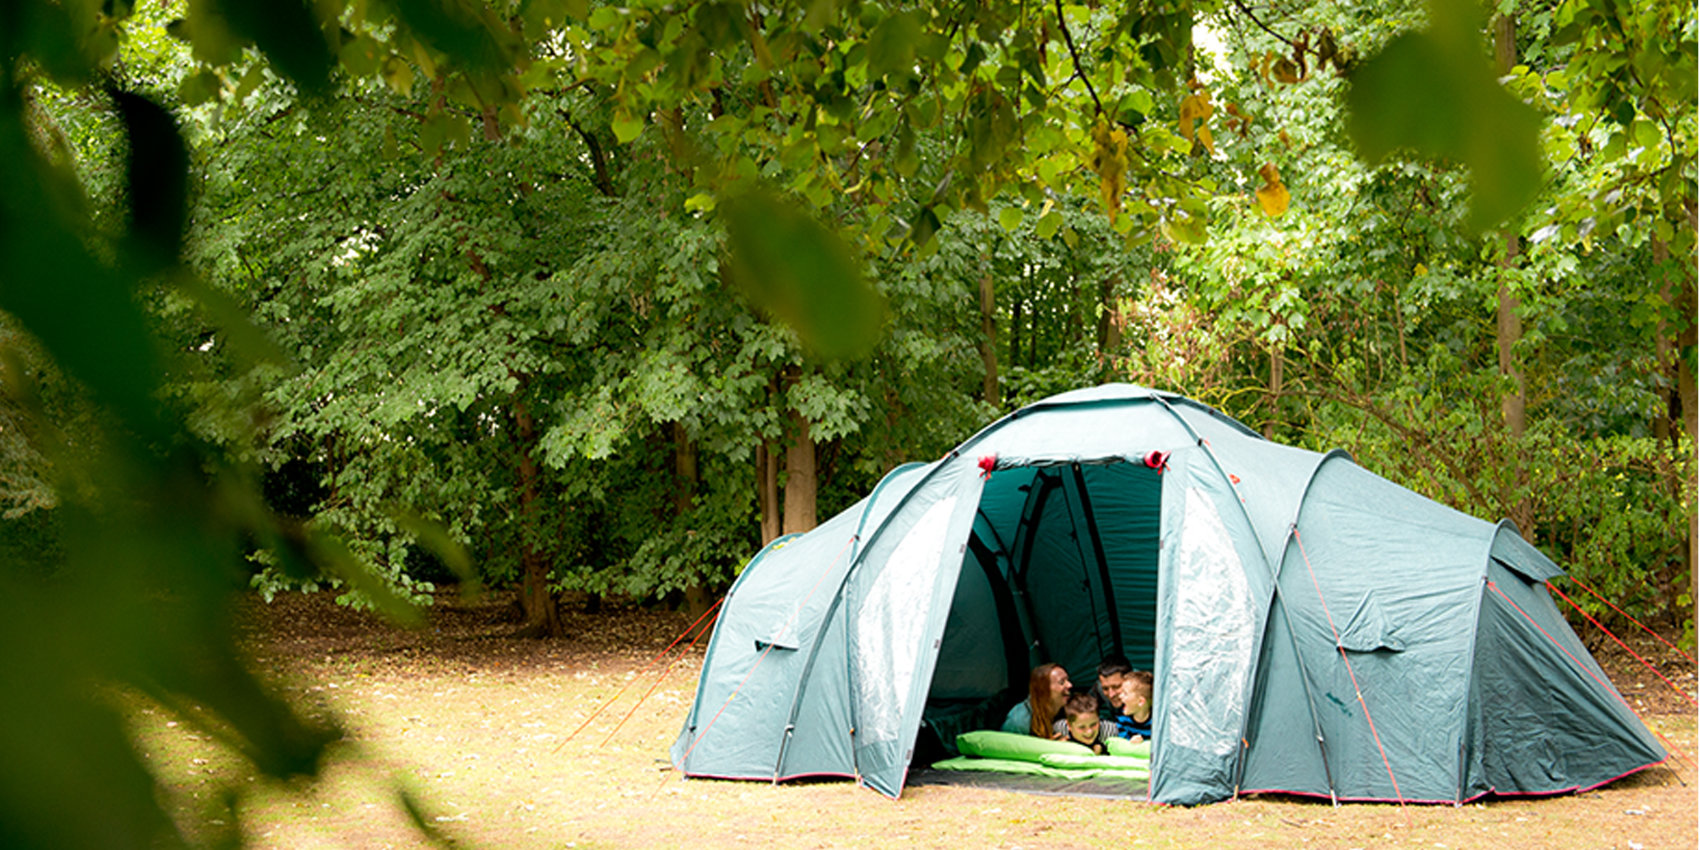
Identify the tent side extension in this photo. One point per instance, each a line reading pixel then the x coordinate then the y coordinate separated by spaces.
pixel 1312 628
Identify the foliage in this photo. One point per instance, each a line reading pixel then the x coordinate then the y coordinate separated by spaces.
pixel 526 287
pixel 1361 317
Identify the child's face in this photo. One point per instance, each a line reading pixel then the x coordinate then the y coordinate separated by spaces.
pixel 1133 696
pixel 1083 728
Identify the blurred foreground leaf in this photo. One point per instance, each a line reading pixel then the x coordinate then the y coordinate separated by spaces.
pixel 1434 92
pixel 796 269
pixel 135 598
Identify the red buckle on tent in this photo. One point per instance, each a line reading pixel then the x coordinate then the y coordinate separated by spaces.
pixel 987 464
pixel 1158 461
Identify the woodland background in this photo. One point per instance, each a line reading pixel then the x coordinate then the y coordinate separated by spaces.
pixel 578 297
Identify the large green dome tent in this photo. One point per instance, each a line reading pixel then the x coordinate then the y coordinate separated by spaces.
pixel 1313 628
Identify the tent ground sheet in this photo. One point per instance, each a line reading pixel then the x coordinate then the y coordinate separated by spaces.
pixel 1108 788
pixel 1013 762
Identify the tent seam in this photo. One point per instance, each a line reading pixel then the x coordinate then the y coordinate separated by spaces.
pixel 826 623
pixel 1274 589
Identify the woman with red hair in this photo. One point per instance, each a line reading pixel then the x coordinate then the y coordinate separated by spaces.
pixel 1047 689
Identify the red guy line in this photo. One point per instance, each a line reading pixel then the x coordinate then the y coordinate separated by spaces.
pixel 622 692
pixel 659 679
pixel 1354 676
pixel 1643 626
pixel 1669 747
pixel 1644 662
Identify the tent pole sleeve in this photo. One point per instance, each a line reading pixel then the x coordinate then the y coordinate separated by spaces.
pixel 855 552
pixel 803 684
pixel 1009 624
pixel 1103 562
pixel 1274 594
pixel 1310 696
pixel 1034 506
pixel 1085 568
pixel 1018 567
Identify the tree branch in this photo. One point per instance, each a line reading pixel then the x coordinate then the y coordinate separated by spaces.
pixel 1240 4
pixel 1079 71
pixel 598 158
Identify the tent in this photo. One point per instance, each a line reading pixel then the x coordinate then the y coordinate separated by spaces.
pixel 1312 628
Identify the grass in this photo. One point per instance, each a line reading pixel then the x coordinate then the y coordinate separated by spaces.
pixel 477 731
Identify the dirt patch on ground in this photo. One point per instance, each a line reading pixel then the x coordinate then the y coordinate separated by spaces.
pixel 515 742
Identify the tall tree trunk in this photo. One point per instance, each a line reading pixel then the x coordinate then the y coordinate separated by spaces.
pixel 767 488
pixel 542 614
pixel 1033 337
pixel 1015 333
pixel 1109 329
pixel 1690 405
pixel 1667 420
pixel 684 496
pixel 1074 327
pixel 989 338
pixel 1674 426
pixel 1277 368
pixel 1514 406
pixel 799 477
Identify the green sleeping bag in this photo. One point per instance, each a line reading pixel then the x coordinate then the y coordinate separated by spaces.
pixel 1024 768
pixel 1120 764
pixel 992 744
pixel 1124 747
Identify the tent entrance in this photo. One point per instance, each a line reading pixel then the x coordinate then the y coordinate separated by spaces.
pixel 1061 566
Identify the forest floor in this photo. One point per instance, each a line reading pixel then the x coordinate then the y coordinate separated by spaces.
pixel 478 727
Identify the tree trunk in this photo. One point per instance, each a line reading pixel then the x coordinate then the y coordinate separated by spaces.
pixel 684 496
pixel 1109 330
pixel 799 478
pixel 1277 368
pixel 1514 406
pixel 1033 337
pixel 1675 424
pixel 767 487
pixel 989 339
pixel 1015 333
pixel 542 614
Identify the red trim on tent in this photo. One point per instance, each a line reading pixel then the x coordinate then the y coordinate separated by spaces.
pixel 789 778
pixel 1356 689
pixel 1319 796
pixel 1580 788
pixel 1574 789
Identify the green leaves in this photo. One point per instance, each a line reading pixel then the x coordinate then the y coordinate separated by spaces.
pixel 892 44
pixel 627 126
pixel 288 33
pixel 802 273
pixel 1434 93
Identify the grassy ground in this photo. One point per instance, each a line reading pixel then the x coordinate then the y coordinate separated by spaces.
pixel 478 729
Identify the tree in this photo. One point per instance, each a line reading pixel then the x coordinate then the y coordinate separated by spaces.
pixel 780 153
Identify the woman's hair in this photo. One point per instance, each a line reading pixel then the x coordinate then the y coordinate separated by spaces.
pixel 1045 706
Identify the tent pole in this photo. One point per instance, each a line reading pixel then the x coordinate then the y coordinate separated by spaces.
pixel 1023 540
pixel 1085 571
pixel 1103 562
pixel 1310 697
